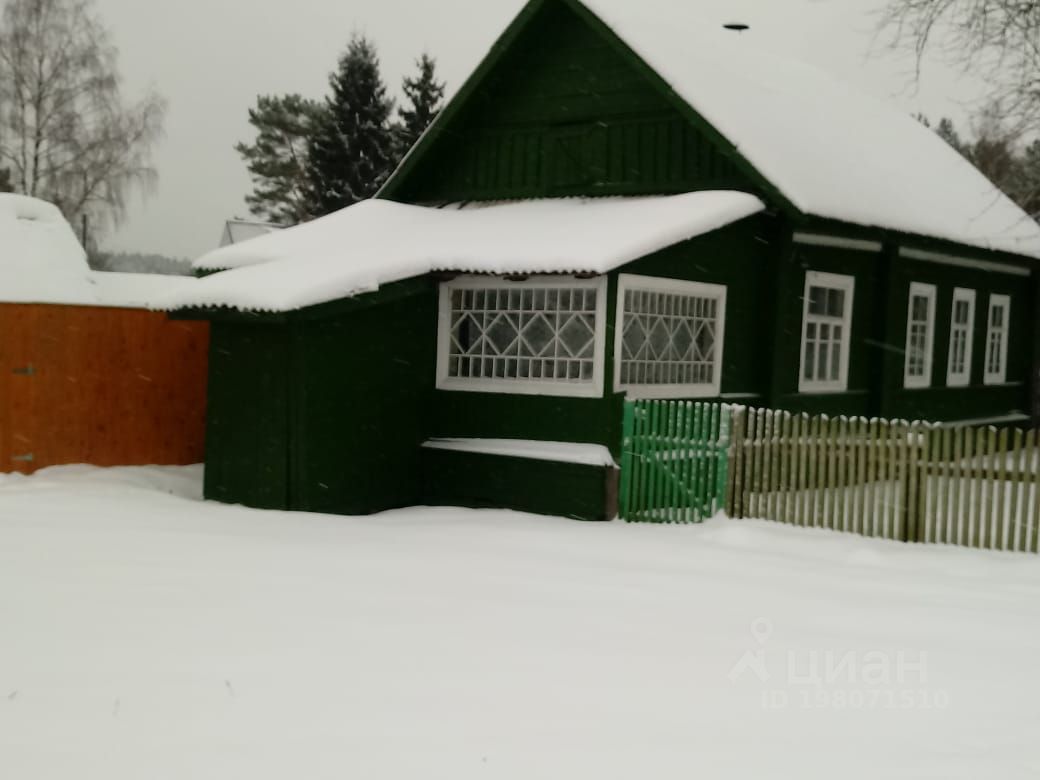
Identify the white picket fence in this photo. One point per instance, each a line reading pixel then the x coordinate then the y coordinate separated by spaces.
pixel 917 482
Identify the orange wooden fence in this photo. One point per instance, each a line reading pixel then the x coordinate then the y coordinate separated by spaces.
pixel 100 386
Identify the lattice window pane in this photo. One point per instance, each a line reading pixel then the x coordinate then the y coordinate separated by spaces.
pixel 507 332
pixel 669 338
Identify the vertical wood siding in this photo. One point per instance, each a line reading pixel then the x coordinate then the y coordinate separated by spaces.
pixel 564 114
pixel 100 386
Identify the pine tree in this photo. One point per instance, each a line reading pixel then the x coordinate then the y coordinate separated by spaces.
pixel 425 95
pixel 1029 180
pixel 277 159
pixel 948 132
pixel 351 151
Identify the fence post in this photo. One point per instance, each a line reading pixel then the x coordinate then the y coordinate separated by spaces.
pixel 722 454
pixel 1000 463
pixel 1016 467
pixel 1032 521
pixel 916 490
pixel 735 460
pixel 627 431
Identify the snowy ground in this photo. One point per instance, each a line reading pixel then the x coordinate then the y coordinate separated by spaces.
pixel 146 635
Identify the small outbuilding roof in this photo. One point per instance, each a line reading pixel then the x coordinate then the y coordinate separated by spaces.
pixel 42 261
pixel 376 242
pixel 238 230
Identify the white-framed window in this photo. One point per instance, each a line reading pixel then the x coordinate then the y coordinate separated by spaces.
pixel 826 332
pixel 962 338
pixel 997 339
pixel 543 336
pixel 920 336
pixel 669 338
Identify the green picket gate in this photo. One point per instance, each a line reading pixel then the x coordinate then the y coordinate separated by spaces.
pixel 675 461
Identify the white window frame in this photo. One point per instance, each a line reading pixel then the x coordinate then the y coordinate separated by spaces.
pixel 572 389
pixel 833 282
pixel 656 284
pixel 931 294
pixel 998 377
pixel 961 378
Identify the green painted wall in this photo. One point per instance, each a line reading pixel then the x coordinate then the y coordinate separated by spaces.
pixel 786 333
pixel 1034 331
pixel 326 410
pixel 323 410
pixel 363 383
pixel 737 256
pixel 876 364
pixel 247 436
pixel 565 114
pixel 521 484
pixel 977 401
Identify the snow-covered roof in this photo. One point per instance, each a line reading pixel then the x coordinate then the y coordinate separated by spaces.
pixel 238 230
pixel 41 261
pixel 360 248
pixel 40 256
pixel 831 151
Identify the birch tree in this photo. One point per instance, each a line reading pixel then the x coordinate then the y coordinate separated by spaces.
pixel 67 134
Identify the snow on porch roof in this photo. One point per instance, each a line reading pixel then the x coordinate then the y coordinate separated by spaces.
pixel 376 242
pixel 831 151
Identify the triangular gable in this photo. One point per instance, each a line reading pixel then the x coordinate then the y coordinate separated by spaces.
pixel 481 149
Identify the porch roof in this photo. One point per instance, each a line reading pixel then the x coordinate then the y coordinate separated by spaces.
pixel 360 248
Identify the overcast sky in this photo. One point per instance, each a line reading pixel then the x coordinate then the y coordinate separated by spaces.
pixel 211 58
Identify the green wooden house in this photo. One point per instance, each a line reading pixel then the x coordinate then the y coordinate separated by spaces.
pixel 618 203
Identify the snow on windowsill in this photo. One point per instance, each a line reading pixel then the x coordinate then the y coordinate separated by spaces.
pixel 557 451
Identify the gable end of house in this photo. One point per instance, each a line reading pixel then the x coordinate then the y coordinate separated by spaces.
pixel 562 107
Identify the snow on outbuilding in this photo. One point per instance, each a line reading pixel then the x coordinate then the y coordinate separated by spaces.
pixel 376 242
pixel 42 261
pixel 238 230
pixel 831 151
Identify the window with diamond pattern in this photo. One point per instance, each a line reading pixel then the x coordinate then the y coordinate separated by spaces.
pixel 544 336
pixel 670 337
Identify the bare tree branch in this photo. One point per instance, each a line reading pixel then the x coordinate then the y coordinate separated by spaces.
pixel 997 40
pixel 65 130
